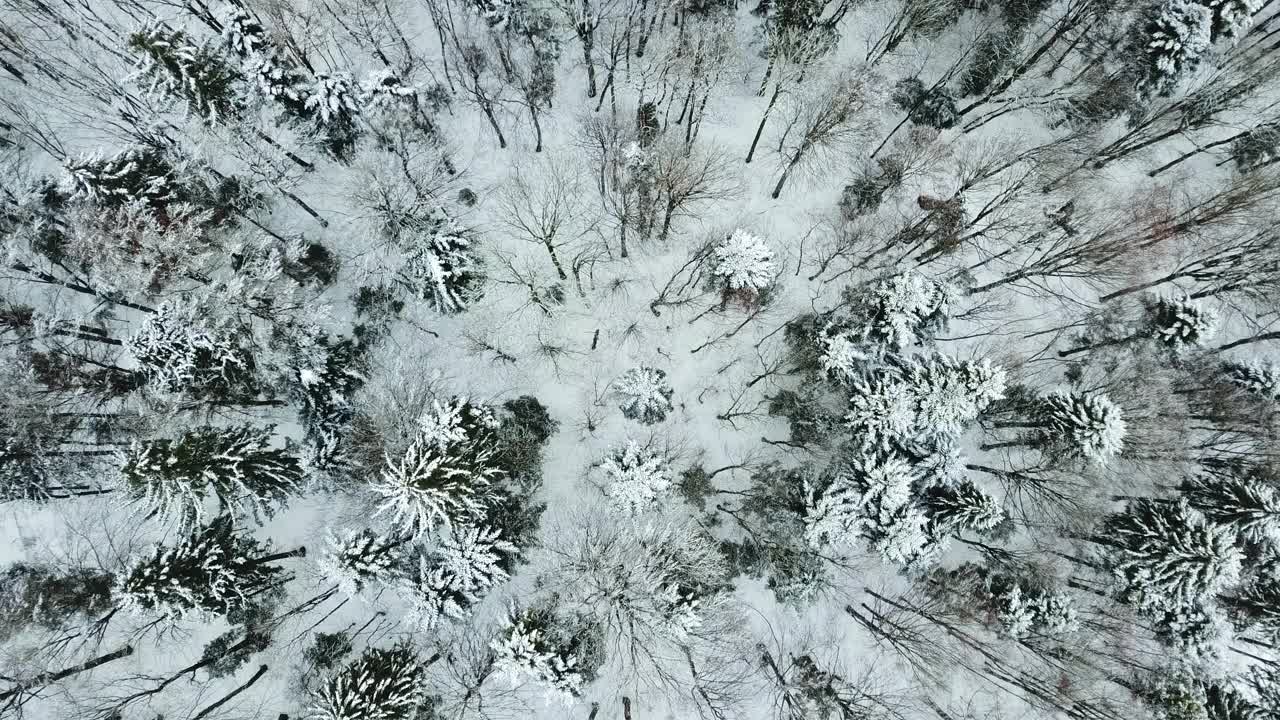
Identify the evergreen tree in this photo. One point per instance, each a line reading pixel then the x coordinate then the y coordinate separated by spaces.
pixel 440 262
pixel 1172 39
pixel 932 107
pixel 1224 702
pixel 381 684
pixel 1174 694
pixel 960 506
pixel 361 559
pixel 1231 18
pixel 646 395
pixel 634 479
pixel 50 597
pixel 1256 607
pixel 447 581
pixel 901 310
pixel 218 569
pixel 1086 425
pixel 1180 323
pixel 1164 554
pixel 1258 377
pixel 332 104
pixel 1248 503
pixel 175 66
pixel 744 263
pixel 176 355
pixel 443 477
pixel 537 646
pixel 1257 148
pixel 139 174
pixel 236 465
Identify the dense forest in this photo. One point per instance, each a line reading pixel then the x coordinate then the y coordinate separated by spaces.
pixel 639 359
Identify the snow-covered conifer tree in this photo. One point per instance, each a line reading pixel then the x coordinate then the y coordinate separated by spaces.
pixel 1024 610
pixel 901 310
pixel 136 174
pixel 1247 502
pixel 448 580
pixel 1257 377
pixel 241 33
pixel 381 684
pixel 216 570
pixel 333 103
pixel 634 479
pixel 1173 694
pixel 176 355
pixel 1180 323
pixel 1166 553
pixel 646 394
pixel 1174 38
pixel 440 264
pixel 360 559
pixel 1231 18
pixel 869 496
pixel 532 647
pixel 1256 607
pixel 744 263
pixel 236 465
pixel 1086 425
pixel 1259 147
pixel 960 506
pixel 443 476
pixel 173 65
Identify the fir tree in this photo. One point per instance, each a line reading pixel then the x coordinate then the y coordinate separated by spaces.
pixel 743 263
pixel 175 66
pixel 217 570
pixel 1086 425
pixel 1172 40
pixel 1256 607
pixel 1164 554
pixel 1180 323
pixel 960 506
pixel 1258 377
pixel 447 581
pixel 440 264
pixel 1173 695
pixel 235 465
pixel 535 646
pixel 176 355
pixel 1231 18
pixel 1248 503
pixel 138 174
pixel 50 597
pixel 332 104
pixel 381 684
pixel 634 479
pixel 900 310
pixel 646 395
pixel 443 477
pixel 361 559
pixel 932 107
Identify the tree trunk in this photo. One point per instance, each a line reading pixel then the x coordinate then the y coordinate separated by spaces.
pixel 47 678
pixel 555 260
pixel 1274 335
pixel 299 552
pixel 537 129
pixel 1203 148
pixel 1094 346
pixel 1140 287
pixel 262 669
pixel 777 90
pixel 493 123
pixel 588 46
pixel 786 172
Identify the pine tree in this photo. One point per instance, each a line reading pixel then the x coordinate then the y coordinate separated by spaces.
pixel 534 646
pixel 332 102
pixel 960 506
pixel 440 264
pixel 1164 554
pixel 634 479
pixel 361 559
pixel 901 310
pixel 235 465
pixel 1257 377
pixel 1248 503
pixel 175 66
pixel 176 355
pixel 1172 40
pixel 932 107
pixel 1180 323
pixel 139 174
pixel 443 477
pixel 1231 18
pixel 1256 607
pixel 216 570
pixel 450 579
pixel 381 684
pixel 1086 425
pixel 744 263
pixel 646 395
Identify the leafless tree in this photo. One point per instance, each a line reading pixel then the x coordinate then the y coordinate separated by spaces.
pixel 543 203
pixel 830 123
pixel 686 177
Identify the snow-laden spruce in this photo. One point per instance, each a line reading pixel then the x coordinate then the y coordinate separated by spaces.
pixel 1257 377
pixel 172 65
pixel 634 479
pixel 1180 323
pixel 1245 499
pixel 960 506
pixel 381 684
pixel 134 174
pixel 1164 554
pixel 218 569
pixel 177 355
pixel 868 497
pixel 1232 18
pixel 442 479
pixel 1177 35
pixel 744 262
pixel 361 559
pixel 450 579
pixel 842 356
pixel 333 98
pixel 234 465
pixel 440 265
pixel 527 650
pixel 646 394
pixel 903 309
pixel 922 397
pixel 1088 425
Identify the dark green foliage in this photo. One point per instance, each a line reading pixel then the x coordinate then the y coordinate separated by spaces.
pixel 171 62
pixel 387 684
pixel 932 106
pixel 695 487
pixel 810 421
pixel 380 305
pixel 45 596
pixel 136 174
pixel 328 650
pixel 1018 14
pixel 317 264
